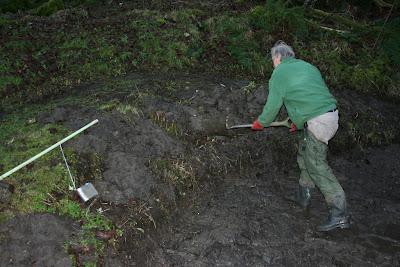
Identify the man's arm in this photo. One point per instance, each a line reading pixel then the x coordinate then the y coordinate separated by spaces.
pixel 272 106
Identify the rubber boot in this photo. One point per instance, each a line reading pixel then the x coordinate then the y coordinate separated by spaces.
pixel 338 218
pixel 302 197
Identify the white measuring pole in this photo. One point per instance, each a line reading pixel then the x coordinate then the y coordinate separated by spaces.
pixel 48 150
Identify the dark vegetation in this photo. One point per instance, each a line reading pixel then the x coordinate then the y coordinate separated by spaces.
pixel 354 44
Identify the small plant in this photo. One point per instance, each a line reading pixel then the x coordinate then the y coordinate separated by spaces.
pixel 130 110
pixel 75 43
pixel 160 119
pixel 170 87
pixel 127 109
pixel 248 89
pixel 176 172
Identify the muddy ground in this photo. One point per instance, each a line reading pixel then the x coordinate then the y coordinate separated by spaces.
pixel 225 205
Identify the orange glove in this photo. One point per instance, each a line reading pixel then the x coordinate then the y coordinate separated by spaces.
pixel 257 126
pixel 293 128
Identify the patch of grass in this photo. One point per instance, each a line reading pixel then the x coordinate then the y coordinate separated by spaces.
pixel 370 77
pixel 236 37
pixel 250 88
pixel 367 131
pixel 278 18
pixel 6 81
pixel 4 21
pixel 22 138
pixel 127 109
pixel 5 216
pixel 170 127
pixel 50 7
pixel 91 223
pixel 342 67
pixel 170 40
pixel 80 42
pixel 170 87
pixel 130 111
pixel 18 46
pixel 139 216
pixel 176 172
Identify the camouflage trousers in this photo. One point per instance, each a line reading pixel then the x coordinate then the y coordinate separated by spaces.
pixel 315 171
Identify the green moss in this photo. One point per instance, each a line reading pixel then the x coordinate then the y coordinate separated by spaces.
pixel 22 140
pixel 6 81
pixel 236 36
pixel 50 7
pixel 167 44
pixel 91 222
pixel 18 46
pixel 5 216
pixel 391 39
pixel 277 17
pixel 4 21
pixel 14 6
pixel 371 77
pixel 80 42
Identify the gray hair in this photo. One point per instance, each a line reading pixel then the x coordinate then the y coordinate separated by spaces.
pixel 281 48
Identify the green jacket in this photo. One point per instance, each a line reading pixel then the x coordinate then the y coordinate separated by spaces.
pixel 299 86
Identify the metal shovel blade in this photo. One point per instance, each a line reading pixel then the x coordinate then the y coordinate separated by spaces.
pixel 240 126
pixel 87 192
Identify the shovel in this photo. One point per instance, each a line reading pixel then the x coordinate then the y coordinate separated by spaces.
pixel 285 123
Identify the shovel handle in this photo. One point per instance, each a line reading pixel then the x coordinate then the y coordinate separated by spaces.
pixel 285 123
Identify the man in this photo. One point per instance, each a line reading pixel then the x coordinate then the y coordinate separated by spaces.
pixel 299 86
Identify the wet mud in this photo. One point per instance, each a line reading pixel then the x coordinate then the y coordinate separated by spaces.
pixel 228 208
pixel 246 221
pixel 36 240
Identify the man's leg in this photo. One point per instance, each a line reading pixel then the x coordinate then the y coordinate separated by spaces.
pixel 321 174
pixel 305 178
pixel 303 193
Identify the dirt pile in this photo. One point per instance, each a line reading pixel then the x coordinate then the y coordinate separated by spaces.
pixel 126 149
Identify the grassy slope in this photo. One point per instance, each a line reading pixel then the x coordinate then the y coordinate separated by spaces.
pixel 42 56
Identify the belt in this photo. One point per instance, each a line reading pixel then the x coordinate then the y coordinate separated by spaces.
pixel 332 110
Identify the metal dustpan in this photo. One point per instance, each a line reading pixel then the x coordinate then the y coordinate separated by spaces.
pixel 87 192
